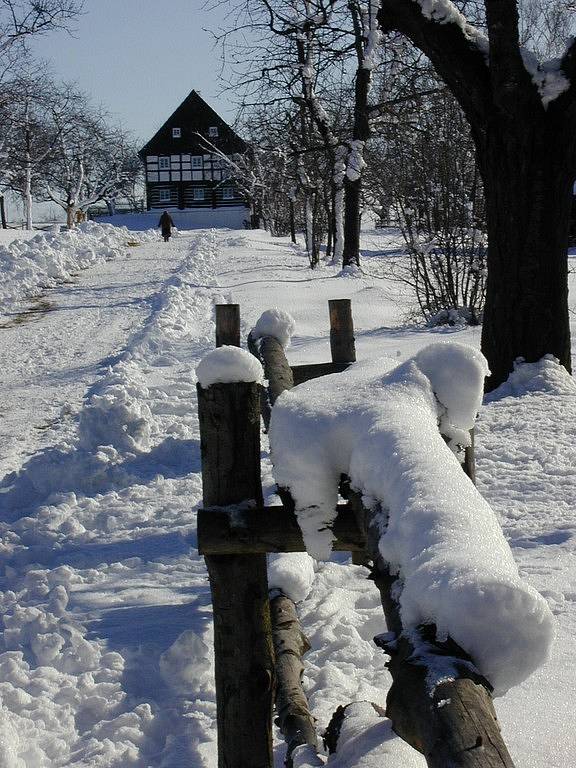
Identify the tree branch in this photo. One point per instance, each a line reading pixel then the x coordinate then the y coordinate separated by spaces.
pixel 453 47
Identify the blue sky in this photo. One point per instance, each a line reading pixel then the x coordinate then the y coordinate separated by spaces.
pixel 140 58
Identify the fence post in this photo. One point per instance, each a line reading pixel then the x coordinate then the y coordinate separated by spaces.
pixel 341 331
pixel 229 416
pixel 228 325
pixel 343 350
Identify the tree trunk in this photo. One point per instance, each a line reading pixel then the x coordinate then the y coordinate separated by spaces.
pixel 70 216
pixel 528 169
pixel 3 213
pixel 352 193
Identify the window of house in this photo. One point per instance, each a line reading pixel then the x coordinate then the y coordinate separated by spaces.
pixel 227 193
pixel 196 161
pixel 198 193
pixel 176 133
pixel 164 162
pixel 213 132
pixel 165 196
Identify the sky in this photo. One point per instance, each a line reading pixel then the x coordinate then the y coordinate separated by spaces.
pixel 139 59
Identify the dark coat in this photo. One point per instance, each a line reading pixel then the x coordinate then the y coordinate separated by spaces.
pixel 166 223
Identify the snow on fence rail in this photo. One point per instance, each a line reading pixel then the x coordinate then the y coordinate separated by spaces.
pixel 461 622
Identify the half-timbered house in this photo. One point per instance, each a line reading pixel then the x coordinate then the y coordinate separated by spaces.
pixel 184 165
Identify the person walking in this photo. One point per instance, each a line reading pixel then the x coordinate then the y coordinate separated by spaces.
pixel 166 225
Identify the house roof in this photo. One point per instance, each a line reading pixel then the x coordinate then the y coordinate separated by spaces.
pixel 194 117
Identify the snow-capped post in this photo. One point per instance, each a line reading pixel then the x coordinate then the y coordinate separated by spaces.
pixel 229 414
pixel 342 345
pixel 227 325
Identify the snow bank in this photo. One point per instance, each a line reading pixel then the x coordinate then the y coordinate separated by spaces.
pixel 228 364
pixel 26 266
pixel 116 412
pixel 379 423
pixel 277 323
pixel 546 375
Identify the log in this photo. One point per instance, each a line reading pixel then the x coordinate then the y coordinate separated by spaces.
pixel 307 371
pixel 229 417
pixel 453 724
pixel 293 715
pixel 259 530
pixel 342 346
pixel 228 325
pixel 277 371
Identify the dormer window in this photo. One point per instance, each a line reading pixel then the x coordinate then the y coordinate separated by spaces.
pixel 213 132
pixel 176 133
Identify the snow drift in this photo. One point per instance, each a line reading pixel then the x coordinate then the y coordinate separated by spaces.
pixel 380 424
pixel 26 266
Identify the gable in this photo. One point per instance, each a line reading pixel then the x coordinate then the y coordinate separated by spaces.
pixel 194 117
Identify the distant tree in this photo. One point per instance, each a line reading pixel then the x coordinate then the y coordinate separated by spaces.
pixel 19 19
pixel 90 161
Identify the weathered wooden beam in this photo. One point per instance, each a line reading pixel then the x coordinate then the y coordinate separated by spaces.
pixel 342 344
pixel 452 723
pixel 268 529
pixel 307 371
pixel 228 325
pixel 293 715
pixel 277 371
pixel 229 417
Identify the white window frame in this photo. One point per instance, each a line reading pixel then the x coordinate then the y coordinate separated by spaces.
pixel 213 132
pixel 176 133
pixel 165 195
pixel 164 163
pixel 198 194
pixel 228 193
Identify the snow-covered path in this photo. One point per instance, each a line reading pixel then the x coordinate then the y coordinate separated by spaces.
pixel 52 356
pixel 106 657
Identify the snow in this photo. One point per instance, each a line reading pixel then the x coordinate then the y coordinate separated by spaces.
pixel 228 364
pixel 28 265
pixel 355 162
pixel 446 12
pixel 106 554
pixel 291 574
pixel 547 76
pixel 277 323
pixel 379 424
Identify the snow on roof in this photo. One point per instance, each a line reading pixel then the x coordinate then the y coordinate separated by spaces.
pixel 228 364
pixel 379 424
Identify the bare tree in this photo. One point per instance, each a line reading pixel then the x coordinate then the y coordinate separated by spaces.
pixel 90 161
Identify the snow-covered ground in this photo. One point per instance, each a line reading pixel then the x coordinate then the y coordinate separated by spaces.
pixel 105 658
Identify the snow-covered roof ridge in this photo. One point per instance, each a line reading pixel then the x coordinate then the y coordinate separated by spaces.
pixel 276 323
pixel 227 365
pixel 378 422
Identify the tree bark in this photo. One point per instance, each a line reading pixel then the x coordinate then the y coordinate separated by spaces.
pixel 3 213
pixel 527 166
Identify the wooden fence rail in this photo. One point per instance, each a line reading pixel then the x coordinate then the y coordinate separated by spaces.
pixel 455 728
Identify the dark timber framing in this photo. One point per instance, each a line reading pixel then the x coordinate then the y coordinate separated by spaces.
pixel 182 170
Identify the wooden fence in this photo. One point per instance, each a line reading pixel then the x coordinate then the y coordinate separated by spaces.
pixel 258 642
